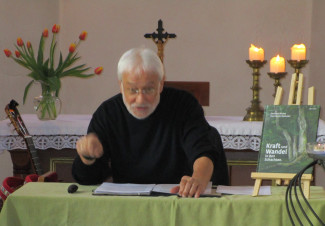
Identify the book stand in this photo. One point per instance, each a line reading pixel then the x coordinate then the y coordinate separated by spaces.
pixel 278 177
pixel 286 177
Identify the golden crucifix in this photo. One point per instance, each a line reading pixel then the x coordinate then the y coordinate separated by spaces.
pixel 160 39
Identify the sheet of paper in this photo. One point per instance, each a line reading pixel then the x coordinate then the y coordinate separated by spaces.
pixel 243 190
pixel 165 188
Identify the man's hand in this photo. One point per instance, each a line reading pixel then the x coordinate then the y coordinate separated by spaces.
pixel 195 185
pixel 89 148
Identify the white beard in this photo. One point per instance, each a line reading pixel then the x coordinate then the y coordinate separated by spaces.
pixel 151 107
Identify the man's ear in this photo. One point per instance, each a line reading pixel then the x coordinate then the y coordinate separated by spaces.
pixel 161 84
pixel 121 86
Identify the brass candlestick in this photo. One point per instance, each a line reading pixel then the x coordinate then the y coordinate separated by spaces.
pixel 276 77
pixel 255 111
pixel 297 65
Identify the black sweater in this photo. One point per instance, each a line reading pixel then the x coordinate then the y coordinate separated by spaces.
pixel 158 149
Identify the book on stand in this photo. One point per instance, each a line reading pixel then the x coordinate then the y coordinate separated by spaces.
pixel 286 131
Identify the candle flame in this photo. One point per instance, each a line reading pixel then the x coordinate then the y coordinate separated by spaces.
pixel 256 49
pixel 300 46
pixel 278 58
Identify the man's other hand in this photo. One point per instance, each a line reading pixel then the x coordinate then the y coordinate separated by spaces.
pixel 89 148
pixel 195 185
pixel 190 187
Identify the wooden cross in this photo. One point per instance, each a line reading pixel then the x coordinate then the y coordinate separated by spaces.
pixel 160 39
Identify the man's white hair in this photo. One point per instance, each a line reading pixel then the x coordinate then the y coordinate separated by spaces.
pixel 140 59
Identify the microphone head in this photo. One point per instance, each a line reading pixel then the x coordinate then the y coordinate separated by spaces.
pixel 72 188
pixel 316 151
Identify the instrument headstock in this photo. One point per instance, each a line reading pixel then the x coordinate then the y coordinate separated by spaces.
pixel 15 118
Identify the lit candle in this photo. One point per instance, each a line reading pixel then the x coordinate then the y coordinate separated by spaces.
pixel 277 64
pixel 298 52
pixel 256 53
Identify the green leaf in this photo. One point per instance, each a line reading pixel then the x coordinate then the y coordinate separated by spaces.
pixel 65 64
pixel 60 61
pixel 54 82
pixel 52 49
pixel 30 55
pixel 28 60
pixel 80 75
pixel 40 51
pixel 23 55
pixel 26 90
pixel 46 64
pixel 76 71
pixel 31 50
pixel 52 57
pixel 33 75
pixel 22 63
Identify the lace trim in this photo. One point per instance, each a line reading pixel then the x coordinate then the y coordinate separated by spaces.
pixel 237 142
pixel 241 142
pixel 41 142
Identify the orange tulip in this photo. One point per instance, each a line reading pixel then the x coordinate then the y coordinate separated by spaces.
pixel 7 52
pixel 45 33
pixel 17 54
pixel 72 47
pixel 28 44
pixel 20 42
pixel 98 70
pixel 56 28
pixel 83 35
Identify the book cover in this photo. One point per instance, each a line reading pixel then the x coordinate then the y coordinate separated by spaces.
pixel 286 131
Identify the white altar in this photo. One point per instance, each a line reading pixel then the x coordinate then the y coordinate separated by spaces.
pixel 66 129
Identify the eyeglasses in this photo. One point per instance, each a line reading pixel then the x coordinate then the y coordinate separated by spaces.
pixel 149 91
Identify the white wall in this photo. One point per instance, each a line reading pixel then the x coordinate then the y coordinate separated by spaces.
pixel 212 44
pixel 317 58
pixel 19 18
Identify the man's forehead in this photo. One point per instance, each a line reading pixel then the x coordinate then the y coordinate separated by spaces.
pixel 142 83
pixel 140 78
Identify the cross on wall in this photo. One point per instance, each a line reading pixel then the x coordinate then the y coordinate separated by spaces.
pixel 160 38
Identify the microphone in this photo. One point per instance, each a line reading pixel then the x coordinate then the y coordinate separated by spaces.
pixel 72 188
pixel 317 152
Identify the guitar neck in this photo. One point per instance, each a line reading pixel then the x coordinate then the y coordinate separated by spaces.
pixel 33 154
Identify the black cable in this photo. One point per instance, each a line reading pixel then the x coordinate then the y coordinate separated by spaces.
pixel 304 197
pixel 293 182
pixel 296 194
pixel 287 203
pixel 289 196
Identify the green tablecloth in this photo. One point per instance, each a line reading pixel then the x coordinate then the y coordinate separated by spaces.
pixel 50 204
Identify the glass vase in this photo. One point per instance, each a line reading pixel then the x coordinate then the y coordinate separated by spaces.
pixel 47 105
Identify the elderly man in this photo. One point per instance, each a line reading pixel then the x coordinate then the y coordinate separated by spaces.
pixel 150 134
